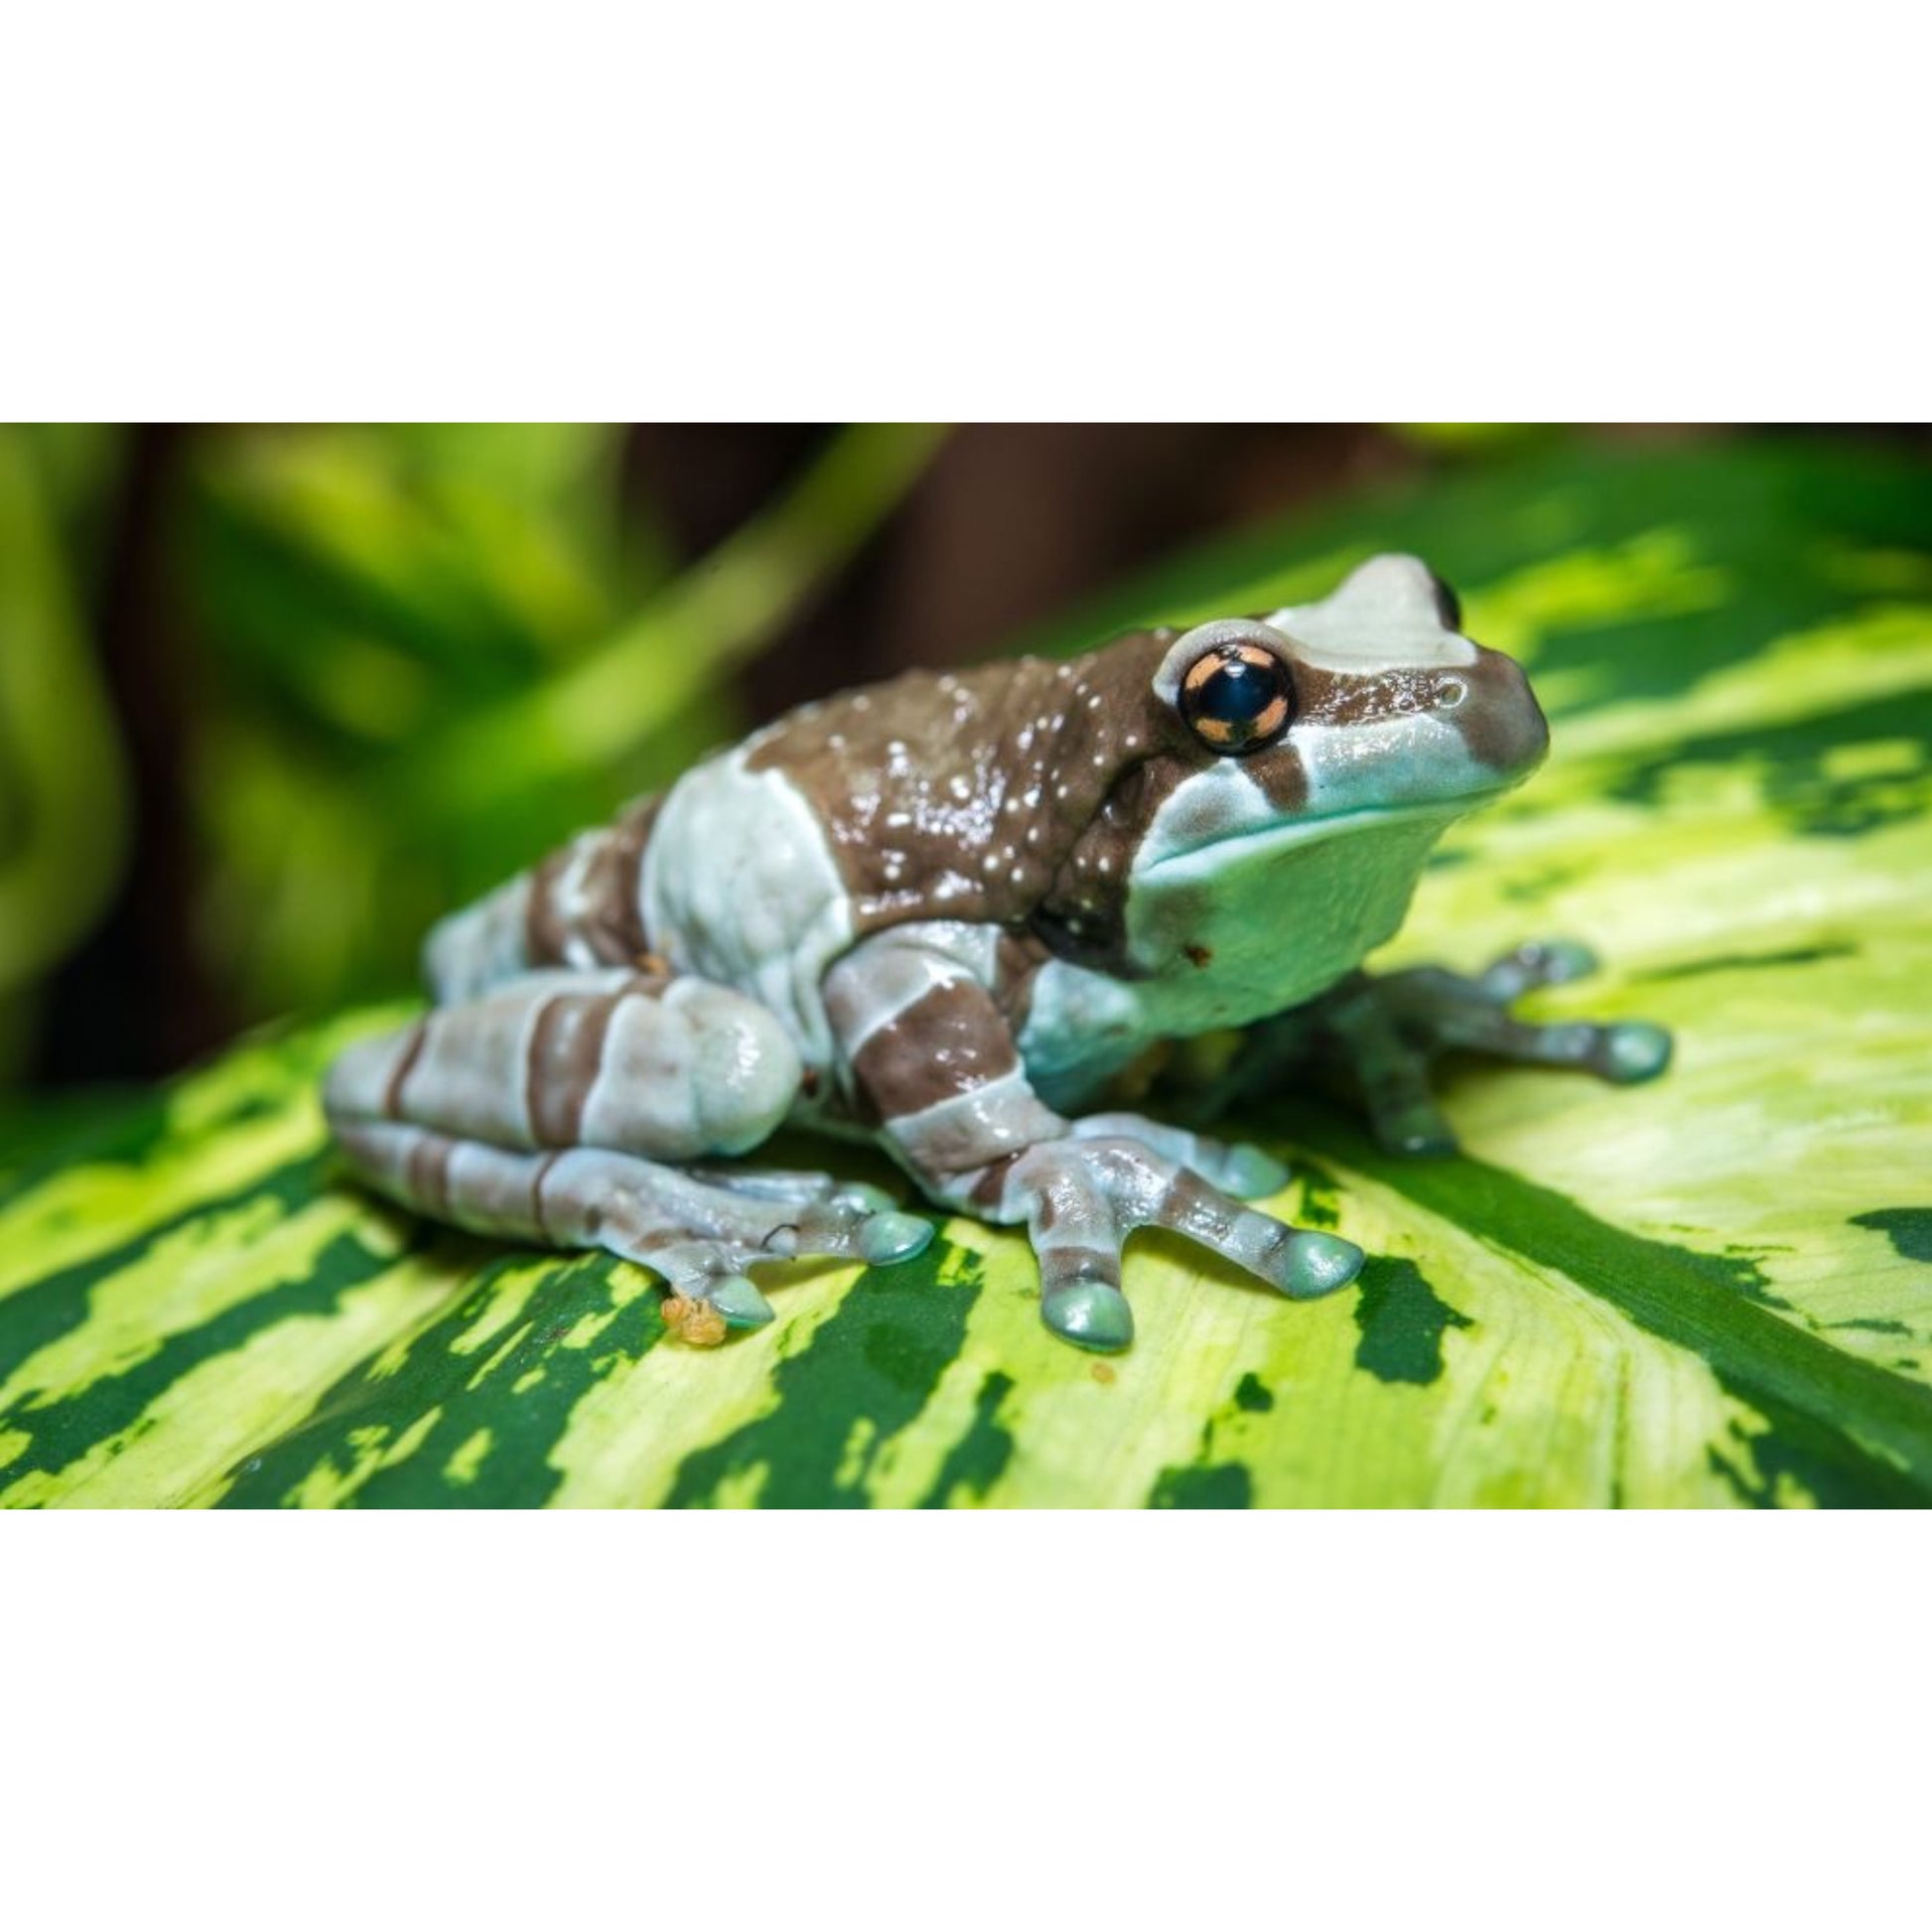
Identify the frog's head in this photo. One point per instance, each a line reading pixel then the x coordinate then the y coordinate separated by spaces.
pixel 1319 749
pixel 1368 705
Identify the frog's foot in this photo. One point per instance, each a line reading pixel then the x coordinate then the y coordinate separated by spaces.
pixel 1081 1196
pixel 700 1235
pixel 1397 1025
pixel 704 1234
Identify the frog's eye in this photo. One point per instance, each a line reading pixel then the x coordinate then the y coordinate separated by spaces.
pixel 1238 697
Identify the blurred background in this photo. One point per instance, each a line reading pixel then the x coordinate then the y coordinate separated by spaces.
pixel 272 699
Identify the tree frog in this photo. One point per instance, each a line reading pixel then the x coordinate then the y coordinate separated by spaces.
pixel 963 916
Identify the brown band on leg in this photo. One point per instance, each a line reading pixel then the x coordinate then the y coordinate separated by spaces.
pixel 990 1188
pixel 1061 1266
pixel 566 1054
pixel 614 888
pixel 537 1180
pixel 426 1173
pixel 544 928
pixel 412 1052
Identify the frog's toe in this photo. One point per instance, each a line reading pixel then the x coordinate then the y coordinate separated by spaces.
pixel 1081 1198
pixel 1249 1172
pixel 851 1227
pixel 739 1302
pixel 1542 962
pixel 1556 961
pixel 1089 1314
pixel 884 1238
pixel 1316 1264
pixel 1633 1050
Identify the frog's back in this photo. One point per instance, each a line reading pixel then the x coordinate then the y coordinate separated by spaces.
pixel 957 794
pixel 939 795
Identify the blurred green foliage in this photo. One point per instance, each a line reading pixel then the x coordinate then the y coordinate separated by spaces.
pixel 441 650
pixel 414 657
pixel 62 782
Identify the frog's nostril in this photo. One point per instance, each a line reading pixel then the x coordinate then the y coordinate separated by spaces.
pixel 1449 693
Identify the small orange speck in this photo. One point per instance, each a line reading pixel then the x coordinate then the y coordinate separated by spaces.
pixel 1103 1372
pixel 693 1320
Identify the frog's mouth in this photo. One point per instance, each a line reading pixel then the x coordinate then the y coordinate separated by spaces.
pixel 1243 847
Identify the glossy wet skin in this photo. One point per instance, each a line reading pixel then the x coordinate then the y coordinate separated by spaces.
pixel 1036 795
pixel 947 913
pixel 1213 887
pixel 1386 729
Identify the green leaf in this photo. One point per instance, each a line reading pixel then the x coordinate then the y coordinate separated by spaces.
pixel 1713 1290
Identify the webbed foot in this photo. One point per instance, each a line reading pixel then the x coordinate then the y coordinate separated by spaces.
pixel 1081 1196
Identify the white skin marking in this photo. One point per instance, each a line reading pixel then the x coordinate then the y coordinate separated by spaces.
pixel 741 888
pixel 1383 616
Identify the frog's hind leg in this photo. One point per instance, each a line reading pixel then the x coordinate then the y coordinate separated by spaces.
pixel 700 1238
pixel 560 1107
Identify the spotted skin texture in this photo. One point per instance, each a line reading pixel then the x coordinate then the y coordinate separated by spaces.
pixel 966 916
pixel 966 796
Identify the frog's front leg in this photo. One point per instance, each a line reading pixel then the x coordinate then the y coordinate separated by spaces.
pixel 561 1107
pixel 1388 1030
pixel 927 1054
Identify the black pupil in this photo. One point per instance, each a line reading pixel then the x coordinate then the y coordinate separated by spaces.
pixel 1237 691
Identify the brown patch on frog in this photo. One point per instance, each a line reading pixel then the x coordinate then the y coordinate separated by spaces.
pixel 566 1054
pixel 404 1067
pixel 992 1183
pixel 1501 721
pixel 1076 1261
pixel 1326 696
pixel 545 932
pixel 960 796
pixel 948 1042
pixel 562 1062
pixel 607 915
pixel 1082 917
pixel 537 1181
pixel 1199 955
pixel 1280 775
pixel 426 1173
pixel 612 886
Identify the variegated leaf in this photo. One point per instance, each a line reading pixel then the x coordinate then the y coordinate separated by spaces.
pixel 1713 1290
